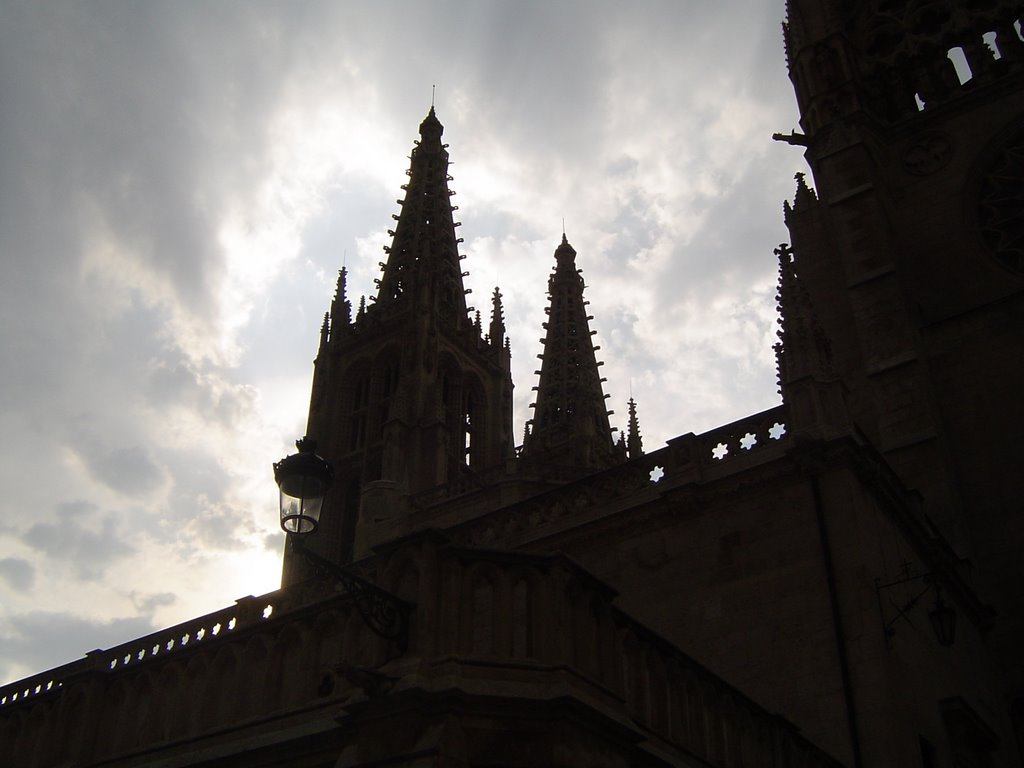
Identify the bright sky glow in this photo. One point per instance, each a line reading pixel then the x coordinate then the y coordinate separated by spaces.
pixel 182 181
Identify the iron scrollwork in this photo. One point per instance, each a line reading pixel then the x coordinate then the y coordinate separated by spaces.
pixel 385 614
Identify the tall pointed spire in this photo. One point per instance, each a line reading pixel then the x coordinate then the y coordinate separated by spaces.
pixel 408 396
pixel 570 423
pixel 423 259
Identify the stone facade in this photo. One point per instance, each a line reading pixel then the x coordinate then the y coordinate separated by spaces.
pixel 548 594
pixel 511 659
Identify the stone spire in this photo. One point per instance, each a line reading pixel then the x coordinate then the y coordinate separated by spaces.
pixel 570 423
pixel 634 443
pixel 408 397
pixel 496 332
pixel 341 307
pixel 423 259
pixel 804 200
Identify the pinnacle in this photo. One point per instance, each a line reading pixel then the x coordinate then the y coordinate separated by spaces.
pixel 565 252
pixel 431 127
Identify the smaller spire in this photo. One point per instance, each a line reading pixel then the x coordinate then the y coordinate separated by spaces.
pixel 325 330
pixel 341 307
pixel 805 197
pixel 362 308
pixel 571 422
pixel 497 329
pixel 634 443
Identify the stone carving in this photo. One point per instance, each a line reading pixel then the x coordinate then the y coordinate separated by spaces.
pixel 928 154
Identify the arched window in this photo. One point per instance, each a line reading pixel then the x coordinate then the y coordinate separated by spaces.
pixel 468 424
pixel 469 438
pixel 387 386
pixel 360 406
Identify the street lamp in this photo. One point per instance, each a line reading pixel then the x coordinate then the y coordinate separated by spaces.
pixel 304 479
pixel 942 617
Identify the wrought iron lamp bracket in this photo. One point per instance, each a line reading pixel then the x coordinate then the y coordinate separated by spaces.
pixel 942 616
pixel 386 615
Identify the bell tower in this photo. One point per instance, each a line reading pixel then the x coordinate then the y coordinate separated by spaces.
pixel 910 247
pixel 410 394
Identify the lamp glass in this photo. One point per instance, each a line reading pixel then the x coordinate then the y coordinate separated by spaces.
pixel 302 499
pixel 303 479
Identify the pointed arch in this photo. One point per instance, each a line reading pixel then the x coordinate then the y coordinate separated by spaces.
pixel 355 396
pixel 385 382
pixel 472 426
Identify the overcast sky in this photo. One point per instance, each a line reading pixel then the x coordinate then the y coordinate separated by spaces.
pixel 181 181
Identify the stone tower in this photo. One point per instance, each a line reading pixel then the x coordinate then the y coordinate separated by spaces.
pixel 910 249
pixel 408 395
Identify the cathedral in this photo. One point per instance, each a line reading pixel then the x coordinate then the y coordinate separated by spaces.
pixel 836 581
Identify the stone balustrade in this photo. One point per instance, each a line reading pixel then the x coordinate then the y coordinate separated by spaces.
pixel 745 437
pixel 242 664
pixel 741 444
pixel 516 617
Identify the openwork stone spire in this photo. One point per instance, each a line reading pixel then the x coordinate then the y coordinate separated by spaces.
pixel 570 424
pixel 423 259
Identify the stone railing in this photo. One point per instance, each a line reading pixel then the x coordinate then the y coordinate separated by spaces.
pixel 744 437
pixel 516 617
pixel 532 629
pixel 141 650
pixel 246 612
pixel 733 447
pixel 237 665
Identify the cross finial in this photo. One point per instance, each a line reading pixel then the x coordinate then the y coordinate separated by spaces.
pixel 432 87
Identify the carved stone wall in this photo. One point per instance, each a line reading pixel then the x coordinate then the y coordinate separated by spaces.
pixel 514 651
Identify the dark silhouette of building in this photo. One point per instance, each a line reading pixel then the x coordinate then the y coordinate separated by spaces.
pixel 849 560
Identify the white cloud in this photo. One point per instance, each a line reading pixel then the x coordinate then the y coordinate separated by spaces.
pixel 179 184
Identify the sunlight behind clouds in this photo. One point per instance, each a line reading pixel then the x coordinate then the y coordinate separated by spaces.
pixel 182 183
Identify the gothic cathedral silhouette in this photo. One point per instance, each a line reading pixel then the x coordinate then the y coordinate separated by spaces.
pixel 833 581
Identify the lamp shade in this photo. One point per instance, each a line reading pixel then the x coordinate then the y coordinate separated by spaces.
pixel 303 479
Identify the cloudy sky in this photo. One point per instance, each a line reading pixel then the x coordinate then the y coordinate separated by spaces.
pixel 181 181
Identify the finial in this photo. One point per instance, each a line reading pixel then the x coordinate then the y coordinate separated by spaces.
pixel 432 87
